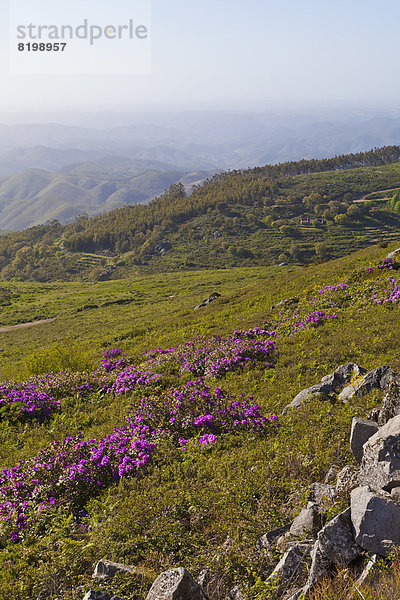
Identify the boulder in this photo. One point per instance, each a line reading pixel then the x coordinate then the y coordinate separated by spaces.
pixel 391 402
pixel 105 569
pixel 348 479
pixel 308 522
pixel 320 567
pixel 336 539
pixel 99 595
pixel 266 540
pixel 176 584
pixel 375 379
pixel 367 569
pixel 332 474
pixel 329 386
pixel 361 431
pixel 319 389
pixel 380 466
pixel 235 594
pixel 376 520
pixel 292 565
pixel 395 495
pixel 208 300
pixel 342 375
pixel 322 492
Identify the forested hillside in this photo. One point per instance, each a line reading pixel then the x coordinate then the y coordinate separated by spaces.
pixel 296 212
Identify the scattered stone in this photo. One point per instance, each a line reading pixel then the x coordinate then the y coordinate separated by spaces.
pixel 376 520
pixel 105 569
pixel 391 402
pixel 292 565
pixel 342 375
pixel 322 492
pixel 361 431
pixel 208 300
pixel 380 466
pixel 309 521
pixel 395 495
pixel 235 594
pixel 336 540
pixel 348 479
pixel 99 595
pixel 332 474
pixel 329 386
pixel 320 567
pixel 393 254
pixel 176 584
pixel 203 579
pixel 371 562
pixel 266 540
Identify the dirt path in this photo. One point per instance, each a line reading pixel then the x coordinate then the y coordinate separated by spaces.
pixel 364 198
pixel 30 324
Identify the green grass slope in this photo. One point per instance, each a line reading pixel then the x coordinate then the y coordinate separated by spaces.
pixel 206 506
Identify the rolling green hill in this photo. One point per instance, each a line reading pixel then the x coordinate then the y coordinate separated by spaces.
pixel 295 213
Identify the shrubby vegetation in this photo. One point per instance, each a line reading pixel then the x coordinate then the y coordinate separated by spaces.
pixel 164 448
pixel 296 212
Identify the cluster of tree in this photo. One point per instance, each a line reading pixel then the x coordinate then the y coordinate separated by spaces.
pixel 230 205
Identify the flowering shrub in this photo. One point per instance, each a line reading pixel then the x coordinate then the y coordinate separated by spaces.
pixel 113 359
pixel 71 472
pixel 24 402
pixel 312 319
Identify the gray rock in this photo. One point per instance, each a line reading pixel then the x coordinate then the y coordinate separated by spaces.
pixel 376 520
pixel 320 389
pixel 361 431
pixel 266 540
pixel 236 594
pixel 208 300
pixel 203 579
pixel 320 567
pixel 391 402
pixel 342 375
pixel 329 386
pixel 393 254
pixel 99 595
pixel 348 479
pixel 395 495
pixel 336 540
pixel 176 584
pixel 375 379
pixel 367 569
pixel 292 565
pixel 309 521
pixel 332 474
pixel 380 466
pixel 322 492
pixel 105 569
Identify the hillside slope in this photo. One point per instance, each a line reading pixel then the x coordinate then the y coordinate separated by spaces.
pixel 189 487
pixel 295 213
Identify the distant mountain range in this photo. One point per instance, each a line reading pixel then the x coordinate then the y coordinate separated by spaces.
pixel 55 171
pixel 37 195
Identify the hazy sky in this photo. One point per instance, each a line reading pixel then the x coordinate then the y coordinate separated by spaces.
pixel 226 53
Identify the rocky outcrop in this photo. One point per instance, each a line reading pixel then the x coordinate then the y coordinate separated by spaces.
pixel 176 584
pixel 376 379
pixel 330 385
